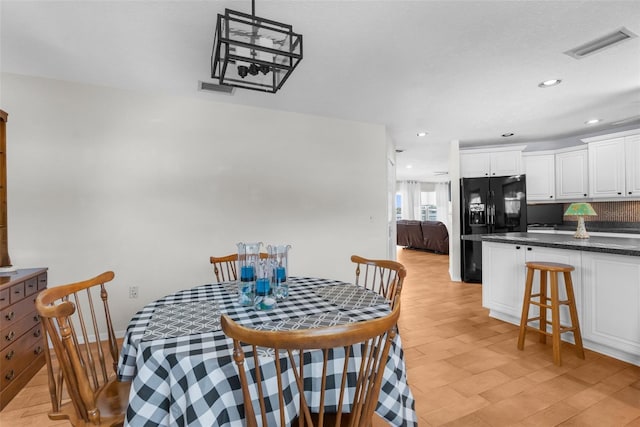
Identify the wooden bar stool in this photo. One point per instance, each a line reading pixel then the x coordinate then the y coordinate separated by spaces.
pixel 553 303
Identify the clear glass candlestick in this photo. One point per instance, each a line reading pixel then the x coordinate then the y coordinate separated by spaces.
pixel 248 260
pixel 279 259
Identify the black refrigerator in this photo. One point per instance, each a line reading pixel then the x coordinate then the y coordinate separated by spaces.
pixel 489 205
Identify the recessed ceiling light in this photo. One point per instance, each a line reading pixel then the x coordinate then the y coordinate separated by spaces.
pixel 508 134
pixel 422 134
pixel 549 83
pixel 409 166
pixel 592 121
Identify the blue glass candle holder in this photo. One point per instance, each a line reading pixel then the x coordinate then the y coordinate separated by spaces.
pixel 248 259
pixel 264 299
pixel 246 286
pixel 279 258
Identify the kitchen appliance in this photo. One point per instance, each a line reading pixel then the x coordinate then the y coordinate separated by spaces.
pixel 545 215
pixel 489 205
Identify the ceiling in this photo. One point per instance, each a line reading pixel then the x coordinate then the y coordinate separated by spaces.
pixel 459 70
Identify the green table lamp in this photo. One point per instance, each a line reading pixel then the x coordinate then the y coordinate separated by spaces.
pixel 580 210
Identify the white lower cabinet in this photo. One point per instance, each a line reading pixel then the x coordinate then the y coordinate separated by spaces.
pixel 612 299
pixel 504 274
pixel 503 279
pixel 606 287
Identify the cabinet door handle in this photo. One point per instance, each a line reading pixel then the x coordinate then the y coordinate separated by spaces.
pixel 37 333
pixel 517 247
pixel 37 350
pixel 9 355
pixel 36 318
pixel 630 192
pixel 10 315
pixel 619 193
pixel 551 197
pixel 10 336
pixel 529 249
pixel 585 195
pixel 9 375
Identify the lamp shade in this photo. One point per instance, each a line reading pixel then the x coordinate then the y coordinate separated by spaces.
pixel 580 209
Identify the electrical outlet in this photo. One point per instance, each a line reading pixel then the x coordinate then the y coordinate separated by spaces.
pixel 133 292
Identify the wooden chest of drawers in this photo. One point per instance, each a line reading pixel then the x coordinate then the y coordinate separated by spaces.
pixel 21 334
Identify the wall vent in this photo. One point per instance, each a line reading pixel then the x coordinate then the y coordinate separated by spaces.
pixel 212 87
pixel 601 43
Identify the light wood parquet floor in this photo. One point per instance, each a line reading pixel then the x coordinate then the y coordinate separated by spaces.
pixel 464 368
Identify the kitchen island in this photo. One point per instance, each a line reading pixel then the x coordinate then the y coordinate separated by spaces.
pixel 606 282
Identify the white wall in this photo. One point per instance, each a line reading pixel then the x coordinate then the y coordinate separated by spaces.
pixel 150 186
pixel 455 248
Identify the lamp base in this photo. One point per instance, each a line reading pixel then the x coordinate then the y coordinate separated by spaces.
pixel 581 231
pixel 8 269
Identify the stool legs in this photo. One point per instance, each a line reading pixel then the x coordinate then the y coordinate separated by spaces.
pixel 573 312
pixel 543 309
pixel 525 308
pixel 553 303
pixel 555 318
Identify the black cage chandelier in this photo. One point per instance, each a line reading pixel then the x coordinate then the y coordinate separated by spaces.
pixel 252 52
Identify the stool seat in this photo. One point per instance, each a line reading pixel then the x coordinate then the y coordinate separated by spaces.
pixel 552 303
pixel 550 266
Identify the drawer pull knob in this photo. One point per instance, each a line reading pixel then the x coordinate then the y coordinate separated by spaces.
pixel 37 333
pixel 37 350
pixel 36 318
pixel 10 315
pixel 9 375
pixel 10 336
pixel 31 285
pixel 17 291
pixel 10 355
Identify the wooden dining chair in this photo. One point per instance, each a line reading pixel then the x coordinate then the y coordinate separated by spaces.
pixel 226 267
pixel 75 323
pixel 385 277
pixel 365 346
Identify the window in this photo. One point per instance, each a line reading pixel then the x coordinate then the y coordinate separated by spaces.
pixel 428 208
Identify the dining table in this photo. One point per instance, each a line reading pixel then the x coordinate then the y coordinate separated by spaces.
pixel 180 362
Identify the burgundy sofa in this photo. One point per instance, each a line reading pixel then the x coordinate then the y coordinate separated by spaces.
pixel 428 235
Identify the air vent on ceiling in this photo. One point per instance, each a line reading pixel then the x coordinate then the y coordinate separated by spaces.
pixel 601 43
pixel 212 87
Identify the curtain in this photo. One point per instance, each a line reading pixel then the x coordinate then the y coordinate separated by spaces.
pixel 410 191
pixel 442 203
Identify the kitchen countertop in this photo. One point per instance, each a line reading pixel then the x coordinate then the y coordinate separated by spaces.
pixel 613 245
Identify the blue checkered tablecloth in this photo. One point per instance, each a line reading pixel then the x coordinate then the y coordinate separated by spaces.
pixel 181 363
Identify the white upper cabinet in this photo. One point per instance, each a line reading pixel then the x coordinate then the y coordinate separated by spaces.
pixel 572 174
pixel 632 165
pixel 607 168
pixel 475 164
pixel 491 162
pixel 540 169
pixel 614 167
